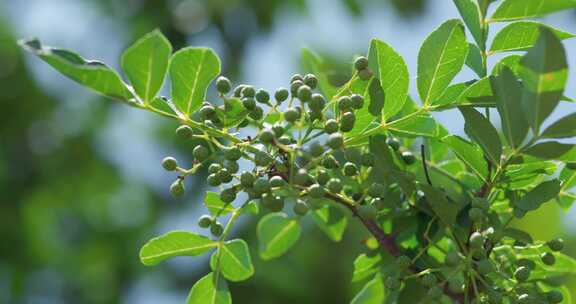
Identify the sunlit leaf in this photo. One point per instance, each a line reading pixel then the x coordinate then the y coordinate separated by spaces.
pixel 469 153
pixel 211 289
pixel 372 293
pixel 215 205
pixel 472 17
pixel 541 194
pixel 172 244
pixel 521 35
pixel 483 132
pixel 474 60
pixel 276 234
pixel 521 9
pixel 233 260
pixel 332 221
pixel 364 266
pixel 442 207
pixel 313 63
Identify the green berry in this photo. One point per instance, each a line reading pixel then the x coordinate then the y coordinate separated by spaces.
pixel 238 90
pixel 365 74
pixel 392 283
pixel 277 182
pixel 213 180
pixel 456 286
pixel 232 167
pixel 262 96
pixel 317 102
pixel 177 188
pixel 200 153
pixel 228 195
pixel 548 258
pixel 376 190
pixel 216 229
pixel 554 297
pixel 347 122
pixel 453 258
pixel 232 153
pixel 261 185
pixel 184 132
pixel 334 185
pixel 294 86
pixel 329 162
pixel 429 280
pixel 393 143
pixel 331 126
pixel 296 77
pixel 248 91
pixel 301 208
pixel 322 177
pixel 335 141
pixel 266 135
pixel 476 214
pixel 285 140
pixel 435 292
pixel 223 85
pixel 247 179
pixel 368 212
pixel 357 101
pixel 291 114
pixel 344 103
pixel 249 103
pixel 301 177
pixel 224 175
pixel 304 93
pixel 262 159
pixel 485 267
pixel 272 202
pixel 278 129
pixel 476 240
pixel 522 273
pixel 367 159
pixel 281 95
pixel 408 157
pixel 519 213
pixel 556 244
pixel 205 221
pixel 350 169
pixel 214 168
pixel 206 112
pixel 311 81
pixel 257 113
pixel 403 262
pixel 316 191
pixel 361 63
pixel 316 149
pixel 169 164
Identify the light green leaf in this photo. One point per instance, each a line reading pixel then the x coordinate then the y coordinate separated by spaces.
pixel 550 150
pixel 512 62
pixel 332 221
pixel 478 94
pixel 451 95
pixel 276 234
pixel 233 260
pixel 544 74
pixel 392 73
pixel 372 293
pixel 508 92
pixel 483 132
pixel 541 194
pixel 172 244
pixel 441 57
pixel 472 16
pixel 313 63
pixel 211 289
pixel 146 63
pixel 364 119
pixel 415 125
pixel 521 9
pixel 365 265
pixel 521 35
pixel 474 60
pixel 163 105
pixel 215 205
pixel 233 112
pixel 443 208
pixel 91 74
pixel 191 71
pixel 469 153
pixel 563 128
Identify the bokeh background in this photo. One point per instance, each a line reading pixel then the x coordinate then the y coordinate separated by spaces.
pixel 81 186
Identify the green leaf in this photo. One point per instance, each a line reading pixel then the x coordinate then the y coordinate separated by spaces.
pixel 163 105
pixel 521 35
pixel 563 128
pixel 550 150
pixel 312 63
pixel 215 205
pixel 376 101
pixel 415 125
pixel 512 62
pixel 211 289
pixel 191 71
pixel 443 208
pixel 541 194
pixel 469 153
pixel 478 94
pixel 474 60
pixel 451 95
pixel 233 260
pixel 232 112
pixel 544 74
pixel 483 132
pixel 172 244
pixel 372 293
pixel 441 57
pixel 276 234
pixel 365 266
pixel 332 221
pixel 508 92
pixel 472 16
pixel 91 74
pixel 393 76
pixel 521 9
pixel 364 119
pixel 146 63
pixel 568 178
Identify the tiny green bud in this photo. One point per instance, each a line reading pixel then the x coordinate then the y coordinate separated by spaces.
pixel 206 112
pixel 228 195
pixel 201 153
pixel 408 157
pixel 548 258
pixel 184 132
pixel 169 164
pixel 294 86
pixel 331 126
pixel 233 153
pixel 344 103
pixel 301 177
pixel 392 283
pixel 322 177
pixel 213 180
pixel 435 292
pixel 301 208
pixel 266 135
pixel 429 280
pixel 177 188
pixel 485 267
pixel 367 159
pixel 316 191
pixel 285 140
pixel 304 93
pixel 329 162
pixel 216 229
pixel 376 190
pixel 224 175
pixel 296 77
pixel 316 149
pixel 481 203
pixel 214 168
pixel 249 103
pixel 257 113
pixel 361 63
pixel 238 90
pixel 281 95
pixel 262 96
pixel 311 80
pixel 248 91
pixel 365 74
pixel 261 185
pixel 403 262
pixel 277 182
pixel 453 258
pixel 205 221
pixel 247 179
pixel 223 85
pixel 335 141
pixel 556 244
pixel 522 273
pixel 347 122
pixel 291 114
pixel 317 102
pixel 232 167
pixel 368 212
pixel 334 185
pixel 476 240
pixel 456 286
pixel 357 101
pixel 350 169
pixel 476 214
pixel 393 143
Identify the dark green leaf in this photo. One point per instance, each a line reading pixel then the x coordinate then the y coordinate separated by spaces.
pixel 474 60
pixel 563 128
pixel 416 125
pixel 276 234
pixel 469 153
pixel 191 71
pixel 372 293
pixel 211 289
pixel 478 94
pixel 233 112
pixel 521 9
pixel 521 35
pixel 332 221
pixel 365 266
pixel 512 62
pixel 313 63
pixel 233 260
pixel 377 97
pixel 441 57
pixel 472 16
pixel 442 207
pixel 550 150
pixel 541 194
pixel 483 132
pixel 172 244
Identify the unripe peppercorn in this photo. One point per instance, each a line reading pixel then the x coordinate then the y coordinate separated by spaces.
pixel 200 153
pixel 214 168
pixel 476 240
pixel 556 244
pixel 485 267
pixel 356 101
pixel 238 90
pixel 316 191
pixel 347 122
pixel 262 96
pixel 216 229
pixel 291 114
pixel 435 292
pixel 278 129
pixel 317 102
pixel 316 149
pixel 301 177
pixel 277 181
pixel 350 169
pixel 525 299
pixel 548 258
pixel 294 86
pixel 361 63
pixel 213 180
pixel 262 159
pixel 266 135
pixel 232 167
pixel 311 80
pixel 522 273
pixel 205 221
pixel 206 112
pixel 177 188
pixel 301 208
pixel 554 297
pixel 249 103
pixel 281 95
pixel 408 157
pixel 344 103
pixel 232 153
pixel 304 93
pixel 247 179
pixel 322 177
pixel 285 140
pixel 296 77
pixel 393 143
pixel 367 159
pixel 365 74
pixel 329 162
pixel 224 175
pixel 169 164
pixel 331 126
pixel 228 195
pixel 456 286
pixel 334 185
pixel 184 132
pixel 248 91
pixel 335 141
pixel 257 113
pixel 392 283
pixel 223 85
pixel 376 190
pixel 261 185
